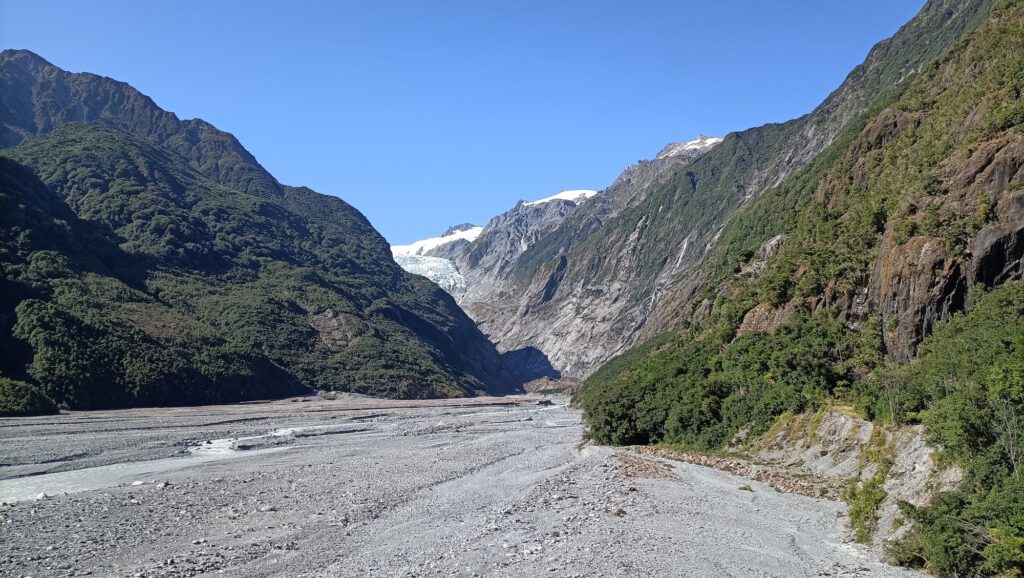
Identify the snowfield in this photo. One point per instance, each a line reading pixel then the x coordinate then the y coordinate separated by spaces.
pixel 694 147
pixel 421 247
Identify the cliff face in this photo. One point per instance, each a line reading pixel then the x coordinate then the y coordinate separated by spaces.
pixel 920 279
pixel 926 200
pixel 832 444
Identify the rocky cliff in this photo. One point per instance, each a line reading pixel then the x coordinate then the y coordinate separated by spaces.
pixel 835 445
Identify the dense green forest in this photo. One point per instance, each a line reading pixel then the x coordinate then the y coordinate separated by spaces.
pixel 134 274
pixel 901 198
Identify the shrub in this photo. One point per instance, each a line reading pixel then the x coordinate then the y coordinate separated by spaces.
pixel 18 398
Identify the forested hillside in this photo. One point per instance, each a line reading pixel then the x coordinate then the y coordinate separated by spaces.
pixel 909 227
pixel 150 261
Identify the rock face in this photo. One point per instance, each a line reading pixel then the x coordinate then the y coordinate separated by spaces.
pixel 833 444
pixel 922 280
pixel 337 331
pixel 489 258
pixel 765 318
pixel 146 260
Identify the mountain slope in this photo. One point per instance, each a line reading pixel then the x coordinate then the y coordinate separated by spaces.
pixel 591 287
pixel 152 261
pixel 886 275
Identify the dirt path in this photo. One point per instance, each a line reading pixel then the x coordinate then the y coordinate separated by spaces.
pixel 354 488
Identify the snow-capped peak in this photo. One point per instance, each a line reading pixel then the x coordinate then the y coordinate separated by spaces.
pixel 420 247
pixel 689 148
pixel 576 196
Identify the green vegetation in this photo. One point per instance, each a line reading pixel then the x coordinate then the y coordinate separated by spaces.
pixel 864 499
pixel 895 179
pixel 967 387
pixel 131 279
pixel 693 392
pixel 18 398
pixel 865 496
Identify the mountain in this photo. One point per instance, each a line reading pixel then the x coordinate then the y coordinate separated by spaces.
pixel 152 261
pixel 885 277
pixel 610 273
pixel 466 257
pixel 481 268
pixel 465 232
pixel 470 262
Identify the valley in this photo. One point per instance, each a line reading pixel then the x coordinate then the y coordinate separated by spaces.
pixel 358 486
pixel 831 306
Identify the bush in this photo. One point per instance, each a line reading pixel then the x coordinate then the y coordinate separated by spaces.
pixel 18 398
pixel 694 390
pixel 968 385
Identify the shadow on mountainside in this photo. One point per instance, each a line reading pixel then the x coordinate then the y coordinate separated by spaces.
pixel 530 363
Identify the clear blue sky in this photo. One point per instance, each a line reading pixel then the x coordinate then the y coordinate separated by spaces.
pixel 426 113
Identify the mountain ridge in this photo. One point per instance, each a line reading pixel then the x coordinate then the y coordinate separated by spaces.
pixel 884 279
pixel 222 269
pixel 595 284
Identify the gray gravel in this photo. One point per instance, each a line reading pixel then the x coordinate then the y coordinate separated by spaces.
pixel 360 487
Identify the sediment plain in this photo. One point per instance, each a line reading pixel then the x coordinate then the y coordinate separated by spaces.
pixel 358 486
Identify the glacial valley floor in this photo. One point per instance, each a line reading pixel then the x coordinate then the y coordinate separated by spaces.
pixel 363 487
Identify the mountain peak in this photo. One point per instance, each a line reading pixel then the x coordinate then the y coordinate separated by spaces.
pixel 27 58
pixel 458 229
pixel 576 196
pixel 690 148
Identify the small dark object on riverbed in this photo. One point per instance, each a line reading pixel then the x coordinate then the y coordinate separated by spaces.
pixel 545 402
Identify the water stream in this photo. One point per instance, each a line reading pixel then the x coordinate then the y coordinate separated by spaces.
pixel 98 477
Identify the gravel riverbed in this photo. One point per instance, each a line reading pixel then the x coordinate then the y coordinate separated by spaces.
pixel 364 487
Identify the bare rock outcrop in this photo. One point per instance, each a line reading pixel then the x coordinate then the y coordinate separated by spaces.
pixel 835 445
pixel 336 330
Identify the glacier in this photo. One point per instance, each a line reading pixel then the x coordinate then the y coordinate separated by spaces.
pixel 437 269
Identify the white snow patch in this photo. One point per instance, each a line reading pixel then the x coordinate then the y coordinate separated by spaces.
pixel 576 196
pixel 700 144
pixel 421 247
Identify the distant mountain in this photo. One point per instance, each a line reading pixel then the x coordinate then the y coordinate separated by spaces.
pixel 618 269
pixel 151 261
pixel 483 267
pixel 466 232
pixel 442 259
